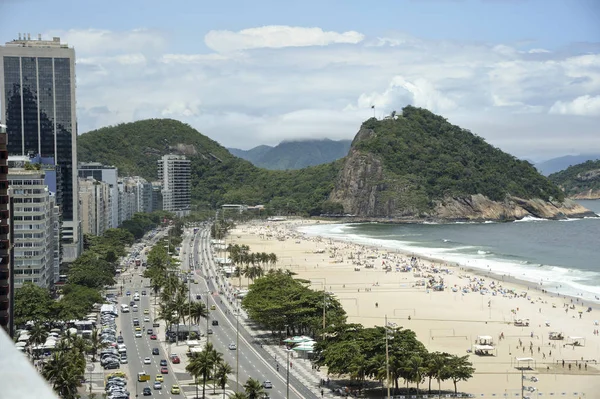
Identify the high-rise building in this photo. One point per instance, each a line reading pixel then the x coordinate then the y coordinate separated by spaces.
pixel 96 211
pixel 37 85
pixel 6 276
pixel 110 175
pixel 174 172
pixel 33 221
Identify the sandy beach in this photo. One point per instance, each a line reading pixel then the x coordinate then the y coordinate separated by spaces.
pixel 372 283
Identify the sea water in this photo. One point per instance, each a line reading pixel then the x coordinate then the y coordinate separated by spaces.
pixel 564 256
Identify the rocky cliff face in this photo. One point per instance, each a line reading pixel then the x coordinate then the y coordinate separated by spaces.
pixel 368 191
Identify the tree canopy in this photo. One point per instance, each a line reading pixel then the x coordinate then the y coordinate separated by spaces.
pixel 437 159
pixel 578 179
pixel 217 176
pixel 278 300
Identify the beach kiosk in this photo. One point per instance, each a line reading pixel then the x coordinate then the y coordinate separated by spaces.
pixel 484 346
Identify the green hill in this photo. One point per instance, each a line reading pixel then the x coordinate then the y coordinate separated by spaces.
pixel 579 181
pixel 217 176
pixel 297 154
pixel 251 155
pixel 417 164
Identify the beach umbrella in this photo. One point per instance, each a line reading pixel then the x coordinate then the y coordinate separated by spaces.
pixel 20 344
pixel 24 337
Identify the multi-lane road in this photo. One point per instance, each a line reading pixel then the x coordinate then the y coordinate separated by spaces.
pixel 249 357
pixel 253 360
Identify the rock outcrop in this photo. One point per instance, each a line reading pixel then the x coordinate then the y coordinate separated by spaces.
pixel 369 191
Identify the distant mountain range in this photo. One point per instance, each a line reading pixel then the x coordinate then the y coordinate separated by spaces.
pixel 289 155
pixel 561 163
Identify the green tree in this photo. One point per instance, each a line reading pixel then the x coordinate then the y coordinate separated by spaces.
pixel 200 365
pixel 32 303
pixel 222 375
pixel 253 388
pixel 461 369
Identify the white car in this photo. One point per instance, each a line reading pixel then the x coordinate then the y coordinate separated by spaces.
pixel 267 384
pixel 146 319
pixel 232 346
pixel 147 360
pixel 138 334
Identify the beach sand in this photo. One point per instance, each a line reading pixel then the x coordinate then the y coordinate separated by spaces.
pixel 445 321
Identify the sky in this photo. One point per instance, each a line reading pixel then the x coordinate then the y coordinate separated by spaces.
pixel 523 74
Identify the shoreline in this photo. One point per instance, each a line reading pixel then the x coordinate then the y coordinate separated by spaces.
pixel 446 321
pixel 527 284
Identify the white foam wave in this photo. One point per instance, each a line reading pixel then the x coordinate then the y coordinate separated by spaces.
pixel 554 278
pixel 530 218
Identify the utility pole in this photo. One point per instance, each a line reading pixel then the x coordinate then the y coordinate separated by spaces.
pixel 287 377
pixel 237 345
pixel 324 305
pixel 387 359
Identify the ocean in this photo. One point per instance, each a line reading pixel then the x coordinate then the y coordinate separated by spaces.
pixel 563 255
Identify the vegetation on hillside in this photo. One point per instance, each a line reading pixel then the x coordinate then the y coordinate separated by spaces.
pixel 290 155
pixel 217 176
pixel 437 159
pixel 580 178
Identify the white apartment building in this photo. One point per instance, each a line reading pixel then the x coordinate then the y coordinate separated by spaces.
pixel 96 206
pixel 36 226
pixel 109 175
pixel 174 171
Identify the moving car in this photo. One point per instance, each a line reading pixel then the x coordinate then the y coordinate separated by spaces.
pixel 155 351
pixel 212 307
pixel 164 370
pixel 159 378
pixel 267 384
pixel 175 390
pixel 147 360
pixel 157 385
pixel 146 319
pixel 175 359
pixel 163 362
pixel 147 391
pixel 153 337
pixel 146 311
pixel 215 322
pixel 138 334
pixel 232 346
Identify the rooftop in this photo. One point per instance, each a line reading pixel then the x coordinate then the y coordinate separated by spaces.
pixel 26 41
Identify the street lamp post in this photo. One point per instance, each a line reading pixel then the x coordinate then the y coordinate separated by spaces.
pixel 237 344
pixel 287 377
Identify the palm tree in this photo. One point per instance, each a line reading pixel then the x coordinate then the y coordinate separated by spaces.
pixel 416 368
pixel 65 371
pixel 38 335
pixel 198 310
pixel 95 343
pixel 239 395
pixel 200 365
pixel 222 375
pixel 216 358
pixel 437 368
pixel 254 388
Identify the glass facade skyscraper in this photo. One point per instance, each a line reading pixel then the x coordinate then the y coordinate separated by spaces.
pixel 37 85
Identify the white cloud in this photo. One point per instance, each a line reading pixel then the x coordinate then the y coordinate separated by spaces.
pixel 100 41
pixel 583 105
pixel 258 86
pixel 276 36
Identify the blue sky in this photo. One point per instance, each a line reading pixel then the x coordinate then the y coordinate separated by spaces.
pixel 547 23
pixel 521 73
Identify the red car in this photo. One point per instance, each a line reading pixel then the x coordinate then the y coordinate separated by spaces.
pixel 153 336
pixel 175 359
pixel 164 370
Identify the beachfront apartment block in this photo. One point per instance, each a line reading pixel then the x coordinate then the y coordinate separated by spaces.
pixel 35 217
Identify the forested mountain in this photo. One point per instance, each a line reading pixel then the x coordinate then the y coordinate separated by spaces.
pixel 561 163
pixel 217 176
pixel 580 181
pixel 251 155
pixel 417 164
pixel 295 154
